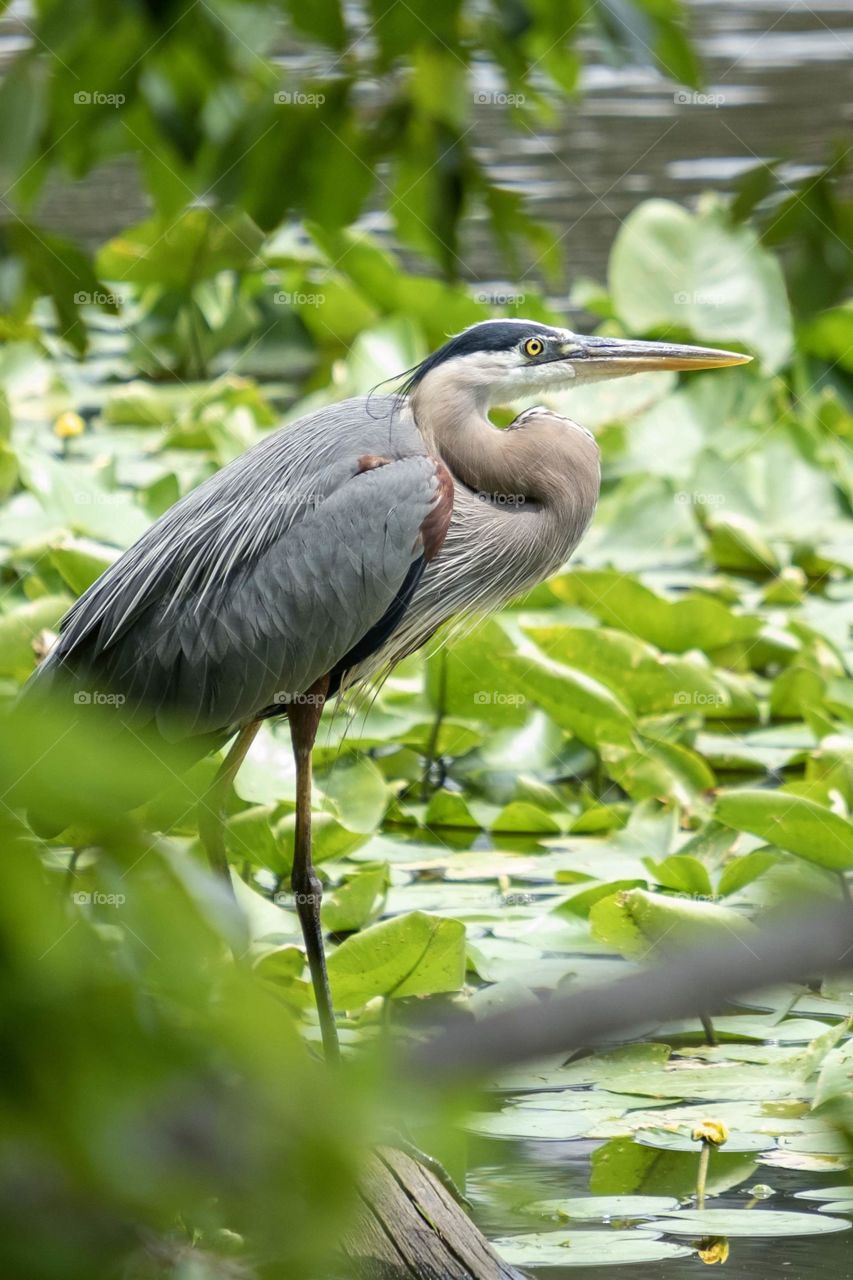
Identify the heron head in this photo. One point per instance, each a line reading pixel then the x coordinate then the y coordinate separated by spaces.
pixel 504 359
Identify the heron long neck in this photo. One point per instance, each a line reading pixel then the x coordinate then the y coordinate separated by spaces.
pixel 545 467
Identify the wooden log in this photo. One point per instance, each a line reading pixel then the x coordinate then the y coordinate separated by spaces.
pixel 411 1228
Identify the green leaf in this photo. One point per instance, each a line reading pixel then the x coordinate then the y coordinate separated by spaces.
pixel 411 955
pixel 357 791
pixel 737 544
pixel 799 825
pixel 80 561
pixel 835 1081
pixel 20 627
pixel 666 1140
pixel 192 247
pixel 669 267
pixel 682 873
pixel 519 816
pixel 357 899
pixel 598 1208
pixel 741 871
pixel 694 621
pixel 448 809
pixel 635 922
pixel 573 699
pixel 749 1222
pixel 586 1249
pixel 623 1166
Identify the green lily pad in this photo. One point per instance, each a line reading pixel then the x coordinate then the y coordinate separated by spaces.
pixel 540 1125
pixel 413 955
pixel 792 822
pixel 598 1208
pixel 623 1167
pixel 748 1222
pixel 666 1140
pixel 842 1191
pixel 586 1248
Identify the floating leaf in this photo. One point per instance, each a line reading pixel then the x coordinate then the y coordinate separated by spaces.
pixel 791 822
pixel 748 1222
pixel 357 899
pixel 586 1249
pixel 636 922
pixel 598 1208
pixel 413 955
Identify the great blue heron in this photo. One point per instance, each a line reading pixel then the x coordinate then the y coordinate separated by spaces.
pixel 341 543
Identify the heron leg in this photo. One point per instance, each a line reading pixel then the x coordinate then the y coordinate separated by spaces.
pixel 211 814
pixel 304 719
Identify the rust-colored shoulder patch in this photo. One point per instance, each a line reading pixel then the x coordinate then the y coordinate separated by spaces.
pixel 370 461
pixel 435 526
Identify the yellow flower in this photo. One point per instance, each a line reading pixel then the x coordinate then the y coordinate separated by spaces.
pixel 713 1250
pixel 711 1131
pixel 68 425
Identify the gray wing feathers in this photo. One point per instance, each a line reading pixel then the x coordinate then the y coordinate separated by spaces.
pixel 262 579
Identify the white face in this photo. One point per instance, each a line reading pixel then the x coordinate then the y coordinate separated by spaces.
pixel 538 358
pixel 535 363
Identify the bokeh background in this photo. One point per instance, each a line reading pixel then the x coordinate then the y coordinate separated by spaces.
pixel 215 216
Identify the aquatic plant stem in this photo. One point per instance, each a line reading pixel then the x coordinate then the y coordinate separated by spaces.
pixel 702 1176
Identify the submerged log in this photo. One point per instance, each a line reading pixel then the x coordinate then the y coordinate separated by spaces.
pixel 411 1228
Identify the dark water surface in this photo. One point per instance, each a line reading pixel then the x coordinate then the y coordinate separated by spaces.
pixel 780 85
pixel 561 1169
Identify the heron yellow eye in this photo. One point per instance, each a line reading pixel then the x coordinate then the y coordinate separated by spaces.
pixel 533 347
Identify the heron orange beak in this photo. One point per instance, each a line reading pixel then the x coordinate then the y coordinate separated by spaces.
pixel 614 357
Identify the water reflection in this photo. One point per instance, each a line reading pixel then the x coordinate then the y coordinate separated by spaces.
pixel 779 85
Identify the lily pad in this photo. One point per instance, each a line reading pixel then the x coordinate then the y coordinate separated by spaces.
pixel 586 1248
pixel 666 1140
pixel 599 1208
pixel 541 1125
pixel 748 1222
pixel 412 955
pixel 842 1191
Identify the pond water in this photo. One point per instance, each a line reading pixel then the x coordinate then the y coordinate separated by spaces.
pixel 562 1169
pixel 460 875
pixel 779 86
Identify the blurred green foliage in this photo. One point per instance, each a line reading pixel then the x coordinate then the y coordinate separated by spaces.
pixel 271 110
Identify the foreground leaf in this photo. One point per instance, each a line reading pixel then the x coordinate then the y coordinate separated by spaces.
pixel 412 955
